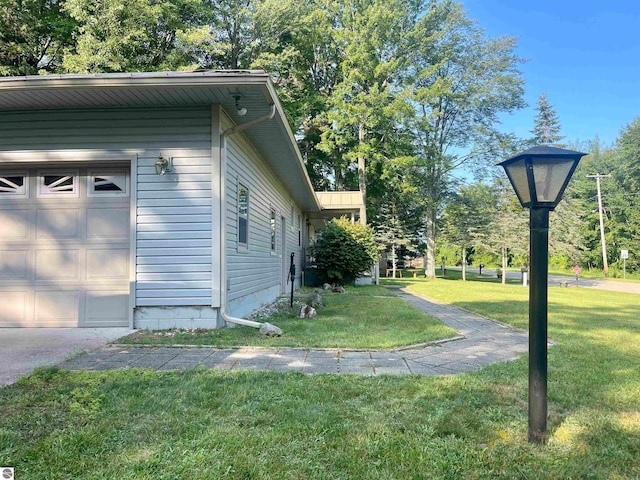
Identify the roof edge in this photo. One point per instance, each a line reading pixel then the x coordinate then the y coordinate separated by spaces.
pixel 302 167
pixel 106 80
pixel 166 79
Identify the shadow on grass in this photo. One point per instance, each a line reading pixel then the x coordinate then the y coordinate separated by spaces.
pixel 103 424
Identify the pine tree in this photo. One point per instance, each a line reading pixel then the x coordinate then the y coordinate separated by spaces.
pixel 546 130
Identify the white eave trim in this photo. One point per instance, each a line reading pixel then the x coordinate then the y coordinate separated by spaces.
pixel 124 80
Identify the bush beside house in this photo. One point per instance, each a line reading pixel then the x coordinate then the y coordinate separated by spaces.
pixel 344 250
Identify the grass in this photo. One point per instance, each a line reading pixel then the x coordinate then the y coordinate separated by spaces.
pixel 364 317
pixel 137 424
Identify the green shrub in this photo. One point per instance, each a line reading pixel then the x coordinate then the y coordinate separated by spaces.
pixel 344 250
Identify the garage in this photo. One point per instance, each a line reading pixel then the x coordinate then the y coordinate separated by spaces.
pixel 64 245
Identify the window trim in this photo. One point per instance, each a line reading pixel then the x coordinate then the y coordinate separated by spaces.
pixel 273 231
pixel 91 173
pixel 293 216
pixel 74 174
pixel 242 245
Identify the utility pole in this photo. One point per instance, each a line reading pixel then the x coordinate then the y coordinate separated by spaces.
pixel 604 244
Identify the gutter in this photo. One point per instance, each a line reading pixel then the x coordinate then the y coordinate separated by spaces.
pixel 223 210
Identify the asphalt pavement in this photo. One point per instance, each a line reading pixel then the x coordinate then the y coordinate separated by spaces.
pixel 569 281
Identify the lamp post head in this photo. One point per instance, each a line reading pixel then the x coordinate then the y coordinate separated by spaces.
pixel 540 174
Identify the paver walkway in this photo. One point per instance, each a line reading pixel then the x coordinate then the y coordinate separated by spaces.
pixel 481 342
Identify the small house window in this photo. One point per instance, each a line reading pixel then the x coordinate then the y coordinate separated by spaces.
pixel 13 184
pixel 273 230
pixel 243 215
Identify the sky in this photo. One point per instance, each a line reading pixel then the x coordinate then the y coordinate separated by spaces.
pixel 585 56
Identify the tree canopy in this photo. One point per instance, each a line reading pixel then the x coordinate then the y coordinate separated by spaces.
pixel 392 97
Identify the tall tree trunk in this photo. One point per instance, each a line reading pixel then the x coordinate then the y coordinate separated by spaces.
pixel 464 264
pixel 430 236
pixel 504 265
pixel 362 175
pixel 338 178
pixel 393 260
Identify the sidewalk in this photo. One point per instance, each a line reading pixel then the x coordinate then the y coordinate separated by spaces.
pixel 481 342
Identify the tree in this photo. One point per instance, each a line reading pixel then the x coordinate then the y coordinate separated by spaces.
pixel 619 199
pixel 466 216
pixel 546 129
pixel 460 83
pixel 392 234
pixel 624 206
pixel 506 233
pixel 628 146
pixel 306 67
pixel 33 36
pixel 362 107
pixel 131 35
pixel 565 243
pixel 344 250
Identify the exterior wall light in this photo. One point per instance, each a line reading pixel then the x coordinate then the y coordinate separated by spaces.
pixel 163 165
pixel 241 110
pixel 539 177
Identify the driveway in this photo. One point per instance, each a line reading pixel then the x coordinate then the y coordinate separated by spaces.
pixel 23 349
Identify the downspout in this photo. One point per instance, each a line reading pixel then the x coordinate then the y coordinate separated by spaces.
pixel 223 211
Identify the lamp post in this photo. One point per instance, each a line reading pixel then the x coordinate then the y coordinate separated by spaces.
pixel 539 177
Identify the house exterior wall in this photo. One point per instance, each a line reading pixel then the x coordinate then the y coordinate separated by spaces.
pixel 254 273
pixel 173 212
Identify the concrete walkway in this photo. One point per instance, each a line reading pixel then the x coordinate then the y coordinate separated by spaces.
pixel 481 342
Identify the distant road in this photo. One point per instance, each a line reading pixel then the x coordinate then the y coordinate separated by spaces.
pixel 554 281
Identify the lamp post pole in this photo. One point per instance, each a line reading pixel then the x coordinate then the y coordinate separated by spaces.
pixel 539 177
pixel 538 299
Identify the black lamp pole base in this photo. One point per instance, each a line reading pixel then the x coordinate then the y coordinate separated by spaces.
pixel 538 300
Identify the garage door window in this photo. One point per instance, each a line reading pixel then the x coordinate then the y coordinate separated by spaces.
pixel 108 184
pixel 13 184
pixel 58 184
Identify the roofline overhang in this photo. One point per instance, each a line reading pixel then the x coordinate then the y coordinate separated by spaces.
pixel 134 79
pixel 301 167
pixel 195 79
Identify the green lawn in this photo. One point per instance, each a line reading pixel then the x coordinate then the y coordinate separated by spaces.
pixel 201 424
pixel 364 317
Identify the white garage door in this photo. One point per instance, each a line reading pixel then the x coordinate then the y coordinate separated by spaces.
pixel 64 246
